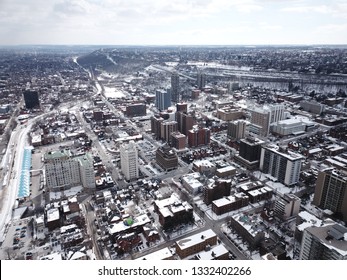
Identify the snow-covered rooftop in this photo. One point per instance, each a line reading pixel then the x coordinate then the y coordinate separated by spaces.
pixel 195 239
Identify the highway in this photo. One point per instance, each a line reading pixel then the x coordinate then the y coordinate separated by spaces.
pixel 14 158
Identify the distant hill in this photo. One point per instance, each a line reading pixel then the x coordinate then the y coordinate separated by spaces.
pixel 114 60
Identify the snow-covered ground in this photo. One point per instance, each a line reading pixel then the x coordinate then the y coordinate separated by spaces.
pixel 111 92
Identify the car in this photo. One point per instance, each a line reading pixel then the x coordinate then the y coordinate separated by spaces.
pixel 22 235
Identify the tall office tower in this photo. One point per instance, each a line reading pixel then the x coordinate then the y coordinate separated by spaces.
pixel 129 160
pixel 237 129
pixel 198 136
pixel 162 99
pixel 283 165
pixel 262 118
pixel 326 242
pixel 249 153
pixel 201 80
pixel 31 99
pixel 331 191
pixel 175 87
pixel 166 128
pixel 63 170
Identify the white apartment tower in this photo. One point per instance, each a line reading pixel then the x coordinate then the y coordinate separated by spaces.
pixel 237 129
pixel 287 206
pixel 129 160
pixel 281 164
pixel 87 171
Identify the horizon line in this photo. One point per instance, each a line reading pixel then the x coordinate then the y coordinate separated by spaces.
pixel 170 45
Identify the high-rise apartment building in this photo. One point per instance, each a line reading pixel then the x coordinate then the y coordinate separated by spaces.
pixel 198 136
pixel 87 170
pixel 162 99
pixel 166 128
pixel 237 129
pixel 185 122
pixel 175 87
pixel 178 140
pixel 155 126
pixel 287 206
pixel 326 242
pixel 201 80
pixel 129 160
pixel 281 164
pixel 331 191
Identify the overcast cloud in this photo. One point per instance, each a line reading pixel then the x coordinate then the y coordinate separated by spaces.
pixel 174 22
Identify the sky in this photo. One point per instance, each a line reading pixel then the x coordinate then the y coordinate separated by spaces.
pixel 173 22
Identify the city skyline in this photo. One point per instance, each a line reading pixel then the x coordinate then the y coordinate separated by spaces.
pixel 178 22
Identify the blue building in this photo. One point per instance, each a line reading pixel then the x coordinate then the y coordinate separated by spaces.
pixel 163 99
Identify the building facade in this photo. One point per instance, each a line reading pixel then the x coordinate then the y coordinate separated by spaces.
pixel 166 158
pixel 201 80
pixel 262 118
pixel 331 191
pixel 129 160
pixel 162 99
pixel 217 190
pixel 175 87
pixel 185 122
pixel 249 153
pixel 237 129
pixel 63 170
pixel 135 110
pixel 178 140
pixel 199 136
pixel 327 242
pixel 31 99
pixel 287 206
pixel 281 164
pixel 166 128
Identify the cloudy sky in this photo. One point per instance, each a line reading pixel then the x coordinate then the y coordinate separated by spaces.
pixel 173 22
